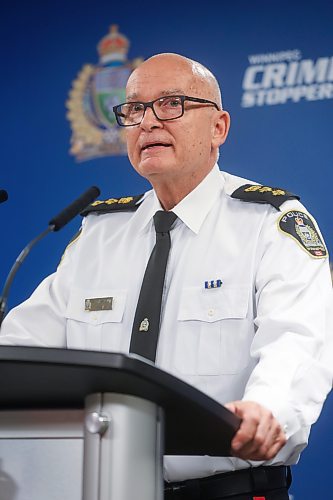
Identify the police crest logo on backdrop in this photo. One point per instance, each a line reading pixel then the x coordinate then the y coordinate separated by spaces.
pixel 93 94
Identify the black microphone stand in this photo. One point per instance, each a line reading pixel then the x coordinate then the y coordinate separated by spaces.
pixel 14 269
pixel 54 225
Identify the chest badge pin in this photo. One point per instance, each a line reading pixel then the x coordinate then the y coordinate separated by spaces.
pixel 144 325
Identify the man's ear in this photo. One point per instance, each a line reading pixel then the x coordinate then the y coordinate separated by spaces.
pixel 221 127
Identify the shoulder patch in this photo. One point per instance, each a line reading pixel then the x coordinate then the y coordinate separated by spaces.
pixel 127 203
pixel 300 227
pixel 256 193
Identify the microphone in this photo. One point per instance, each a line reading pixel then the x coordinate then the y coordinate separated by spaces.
pixel 3 195
pixel 55 224
pixel 74 208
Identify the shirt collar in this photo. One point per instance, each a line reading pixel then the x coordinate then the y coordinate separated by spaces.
pixel 191 210
pixel 149 205
pixel 194 208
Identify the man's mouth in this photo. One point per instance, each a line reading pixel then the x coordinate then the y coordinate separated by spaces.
pixel 154 145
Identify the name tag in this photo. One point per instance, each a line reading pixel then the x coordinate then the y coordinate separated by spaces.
pixel 98 304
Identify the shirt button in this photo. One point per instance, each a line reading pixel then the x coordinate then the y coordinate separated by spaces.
pixel 211 312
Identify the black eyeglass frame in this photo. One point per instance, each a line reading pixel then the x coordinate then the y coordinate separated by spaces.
pixel 150 104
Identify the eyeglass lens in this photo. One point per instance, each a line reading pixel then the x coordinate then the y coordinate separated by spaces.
pixel 166 108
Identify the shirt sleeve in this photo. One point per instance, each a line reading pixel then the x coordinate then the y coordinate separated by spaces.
pixel 41 320
pixel 293 340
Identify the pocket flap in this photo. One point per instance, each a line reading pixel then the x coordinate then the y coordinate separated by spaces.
pixel 77 308
pixel 214 304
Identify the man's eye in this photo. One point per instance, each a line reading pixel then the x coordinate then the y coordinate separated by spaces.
pixel 172 102
pixel 133 109
pixel 136 108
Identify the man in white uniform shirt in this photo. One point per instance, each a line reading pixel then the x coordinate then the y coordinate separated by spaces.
pixel 247 288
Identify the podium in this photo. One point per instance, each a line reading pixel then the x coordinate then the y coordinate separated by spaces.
pixel 127 412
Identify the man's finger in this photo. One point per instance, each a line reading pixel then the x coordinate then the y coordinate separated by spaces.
pixel 260 436
pixel 245 433
pixel 266 443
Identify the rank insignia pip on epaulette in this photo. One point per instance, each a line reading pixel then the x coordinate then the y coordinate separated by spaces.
pixel 263 194
pixel 125 204
pixel 300 227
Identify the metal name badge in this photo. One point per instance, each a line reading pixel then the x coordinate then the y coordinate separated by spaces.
pixel 98 304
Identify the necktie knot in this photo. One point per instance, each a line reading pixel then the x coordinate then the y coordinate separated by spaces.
pixel 163 221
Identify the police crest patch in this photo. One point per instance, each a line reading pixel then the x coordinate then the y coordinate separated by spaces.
pixel 301 228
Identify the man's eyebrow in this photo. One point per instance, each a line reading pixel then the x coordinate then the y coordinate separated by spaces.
pixel 131 97
pixel 172 92
pixel 134 95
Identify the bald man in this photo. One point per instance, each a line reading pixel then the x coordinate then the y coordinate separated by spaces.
pixel 246 290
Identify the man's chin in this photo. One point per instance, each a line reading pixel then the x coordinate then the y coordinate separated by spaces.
pixel 153 167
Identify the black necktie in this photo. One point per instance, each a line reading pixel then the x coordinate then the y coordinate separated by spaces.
pixel 146 323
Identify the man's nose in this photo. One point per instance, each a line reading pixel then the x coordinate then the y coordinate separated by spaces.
pixel 149 120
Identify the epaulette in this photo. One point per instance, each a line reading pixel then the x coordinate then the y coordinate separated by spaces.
pixel 263 194
pixel 128 203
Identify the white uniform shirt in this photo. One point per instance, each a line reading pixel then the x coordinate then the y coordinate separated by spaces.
pixel 260 336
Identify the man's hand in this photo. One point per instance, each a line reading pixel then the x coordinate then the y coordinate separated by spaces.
pixel 260 436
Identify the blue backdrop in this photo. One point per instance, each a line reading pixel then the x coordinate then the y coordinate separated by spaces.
pixel 274 61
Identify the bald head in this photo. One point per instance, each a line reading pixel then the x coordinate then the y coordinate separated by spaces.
pixel 174 151
pixel 201 79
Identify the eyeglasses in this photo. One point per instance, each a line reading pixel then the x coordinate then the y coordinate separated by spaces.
pixel 165 108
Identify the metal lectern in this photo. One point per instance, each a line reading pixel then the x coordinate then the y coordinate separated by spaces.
pixel 128 413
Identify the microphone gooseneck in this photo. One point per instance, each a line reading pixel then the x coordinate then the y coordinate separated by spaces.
pixel 55 224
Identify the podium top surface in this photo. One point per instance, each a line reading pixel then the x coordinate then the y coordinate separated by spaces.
pixel 61 378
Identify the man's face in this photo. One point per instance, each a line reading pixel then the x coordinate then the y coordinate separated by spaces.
pixel 176 149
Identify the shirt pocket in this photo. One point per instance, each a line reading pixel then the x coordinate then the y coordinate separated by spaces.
pixel 214 333
pixel 95 330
